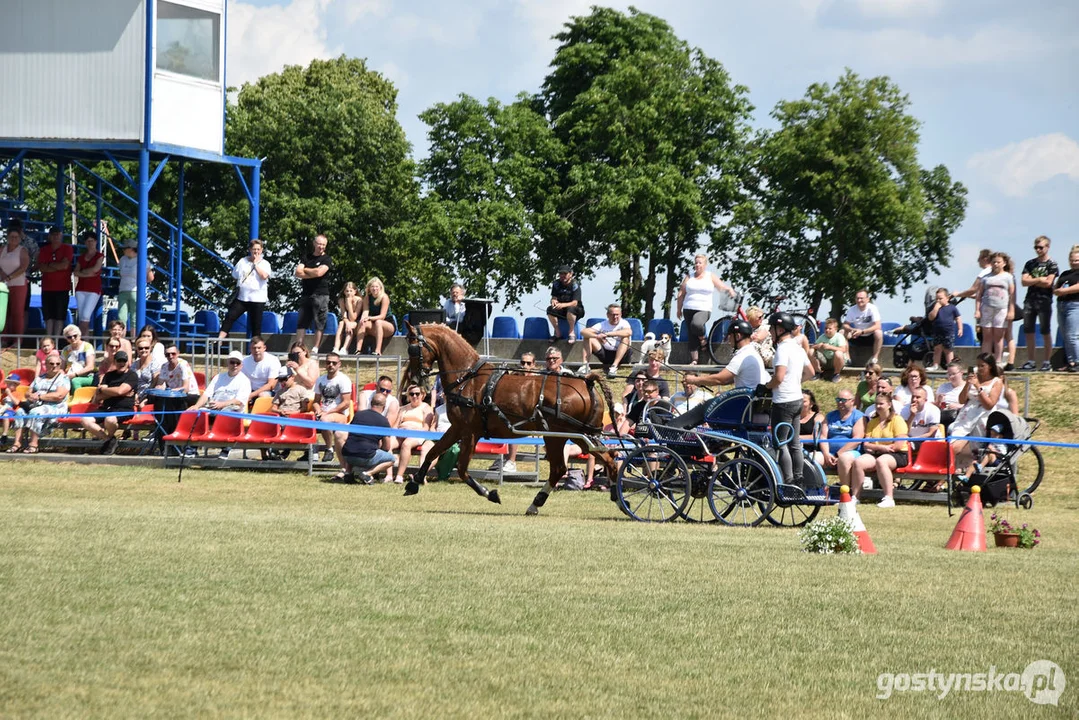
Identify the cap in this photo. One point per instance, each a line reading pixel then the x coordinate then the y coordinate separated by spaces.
pixel 13 378
pixel 997 428
pixel 236 355
pixel 562 269
pixel 120 356
pixel 132 244
pixel 284 373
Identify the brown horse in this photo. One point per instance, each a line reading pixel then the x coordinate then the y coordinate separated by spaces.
pixel 483 400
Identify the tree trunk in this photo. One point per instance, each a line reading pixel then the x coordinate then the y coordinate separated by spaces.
pixel 649 290
pixel 672 279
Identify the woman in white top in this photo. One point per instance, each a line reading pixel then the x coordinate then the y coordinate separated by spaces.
pixel 695 303
pixel 14 259
pixel 980 395
pixel 304 366
pixel 252 275
pixel 994 307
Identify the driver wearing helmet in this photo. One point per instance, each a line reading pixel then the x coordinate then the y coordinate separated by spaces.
pixel 745 370
pixel 790 367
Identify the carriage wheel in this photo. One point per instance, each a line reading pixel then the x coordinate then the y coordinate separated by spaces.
pixel 808 325
pixel 1031 464
pixel 653 484
pixel 742 492
pixel 793 515
pixel 697 509
pixel 717 337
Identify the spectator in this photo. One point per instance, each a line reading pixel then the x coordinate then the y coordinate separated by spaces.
pixel 115 394
pixel 55 260
pixel 862 325
pixel 842 429
pixel 348 304
pixel 1017 314
pixel 947 324
pixel 922 416
pixel 634 390
pixel 417 415
pixel 79 358
pixel 527 365
pixel 252 274
pixel 791 369
pixel 313 271
pixel 454 307
pixel 333 400
pixel 176 374
pixel 88 275
pixel 830 352
pixel 362 456
pixel 46 347
pixel 14 262
pixel 695 303
pixel 127 294
pixel 652 400
pixel 810 422
pixel 229 390
pixel 866 393
pixel 880 453
pixel 565 304
pixel 304 367
pixel 144 368
pixel 884 387
pixel 553 358
pixel 1039 275
pixel 261 368
pixel 117 330
pixel 619 426
pixel 608 340
pixel 9 400
pixel 375 314
pixel 158 352
pixel 690 396
pixel 994 306
pixel 390 409
pixel 47 398
pixel 985 257
pixel 947 395
pixel 653 371
pixel 762 335
pixel 1067 295
pixel 913 377
pixel 980 394
pixel 289 396
pixel 100 369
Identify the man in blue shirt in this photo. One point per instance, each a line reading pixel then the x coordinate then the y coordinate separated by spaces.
pixel 363 456
pixel 844 427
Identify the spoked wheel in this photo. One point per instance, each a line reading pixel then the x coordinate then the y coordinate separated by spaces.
pixel 717 337
pixel 742 492
pixel 793 515
pixel 697 509
pixel 653 484
pixel 808 325
pixel 1030 468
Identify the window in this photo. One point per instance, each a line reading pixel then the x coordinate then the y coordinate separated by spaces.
pixel 188 41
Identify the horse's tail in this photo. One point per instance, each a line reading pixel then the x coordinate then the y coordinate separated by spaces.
pixel 605 388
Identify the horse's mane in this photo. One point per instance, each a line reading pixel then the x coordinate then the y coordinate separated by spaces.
pixel 448 339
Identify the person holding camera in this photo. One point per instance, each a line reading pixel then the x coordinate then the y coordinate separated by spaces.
pixel 47 397
pixel 304 367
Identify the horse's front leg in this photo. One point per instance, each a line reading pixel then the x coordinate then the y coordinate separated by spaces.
pixel 556 458
pixel 444 443
pixel 468 446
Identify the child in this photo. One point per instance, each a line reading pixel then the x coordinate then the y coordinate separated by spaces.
pixel 830 352
pixel 8 402
pixel 947 324
pixel 994 452
pixel 46 347
pixel 288 397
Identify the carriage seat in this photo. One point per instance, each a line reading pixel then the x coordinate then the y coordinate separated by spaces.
pixel 737 409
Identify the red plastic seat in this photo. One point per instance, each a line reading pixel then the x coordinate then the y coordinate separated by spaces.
pixel 486 448
pixel 76 409
pixel 142 418
pixel 26 375
pixel 200 379
pixel 935 457
pixel 261 432
pixel 225 429
pixel 190 425
pixel 293 435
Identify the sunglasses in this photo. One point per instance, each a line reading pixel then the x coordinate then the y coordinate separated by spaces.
pixel 52 362
pixel 116 347
pixel 553 358
pixel 72 336
pixel 843 400
pixel 415 394
pixel 385 391
pixel 528 364
pixel 333 362
pixel 1040 247
pixel 235 362
pixel 168 354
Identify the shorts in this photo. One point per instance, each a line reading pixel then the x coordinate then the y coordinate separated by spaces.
pixel 945 340
pixel 562 312
pixel 606 356
pixel 358 463
pixel 862 340
pixel 54 304
pixel 1037 312
pixel 313 308
pixel 994 317
pixel 901 458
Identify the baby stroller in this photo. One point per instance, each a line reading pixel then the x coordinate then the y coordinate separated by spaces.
pixel 999 480
pixel 915 341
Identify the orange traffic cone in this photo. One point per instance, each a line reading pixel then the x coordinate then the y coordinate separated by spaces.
pixel 849 511
pixel 969 533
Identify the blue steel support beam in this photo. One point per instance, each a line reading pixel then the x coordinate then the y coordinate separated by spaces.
pixel 58 215
pixel 178 252
pixel 17 160
pixel 254 199
pixel 143 192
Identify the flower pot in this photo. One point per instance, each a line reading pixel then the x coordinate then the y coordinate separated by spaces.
pixel 1006 539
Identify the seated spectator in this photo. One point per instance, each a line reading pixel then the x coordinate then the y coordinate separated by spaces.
pixel 810 423
pixel 565 304
pixel 866 393
pixel 652 401
pixel 841 432
pixel 176 374
pixel 884 386
pixel 653 371
pixel 333 400
pixel 634 390
pixel 608 340
pixel 390 409
pixel 111 348
pixel 304 367
pixel 922 417
pixel 9 400
pixel 980 394
pixel 158 352
pixel 348 307
pixel 144 368
pixel 47 398
pixel 261 368
pixel 46 347
pixel 527 365
pixel 553 358
pixel 79 358
pixel 417 415
pixel 115 394
pixel 882 457
pixel 761 338
pixel 690 396
pixel 862 325
pixel 947 395
pixel 228 390
pixel 289 397
pixel 363 456
pixel 375 315
pixel 455 306
pixel 913 377
pixel 1009 399
pixel 118 330
pixel 947 324
pixel 829 354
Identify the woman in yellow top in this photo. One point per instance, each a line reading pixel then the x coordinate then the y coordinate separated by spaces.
pixel 880 457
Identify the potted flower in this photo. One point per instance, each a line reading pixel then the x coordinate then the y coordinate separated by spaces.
pixel 1007 535
pixel 832 536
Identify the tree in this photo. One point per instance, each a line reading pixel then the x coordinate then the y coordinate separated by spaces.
pixel 839 201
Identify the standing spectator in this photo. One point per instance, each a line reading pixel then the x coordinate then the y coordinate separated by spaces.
pixel 695 303
pixel 313 273
pixel 79 358
pixel 1039 275
pixel 88 279
pixel 1067 295
pixel 844 428
pixel 994 306
pixel 54 260
pixel 115 394
pixel 791 368
pixel 454 307
pixel 333 399
pixel 14 262
pixel 348 304
pixel 947 324
pixel 374 315
pixel 117 330
pixel 608 339
pixel 365 455
pixel 1010 353
pixel 127 294
pixel 862 324
pixel 261 368
pixel 417 415
pixel 252 274
pixel 565 304
pixel 984 263
pixel 830 352
pixel 47 397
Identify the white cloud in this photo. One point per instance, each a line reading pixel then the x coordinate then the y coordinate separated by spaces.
pixel 262 40
pixel 898 8
pixel 1016 168
pixel 993 44
pixel 357 9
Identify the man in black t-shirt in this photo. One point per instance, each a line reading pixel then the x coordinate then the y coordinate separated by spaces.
pixel 363 456
pixel 115 394
pixel 1038 277
pixel 313 273
pixel 565 303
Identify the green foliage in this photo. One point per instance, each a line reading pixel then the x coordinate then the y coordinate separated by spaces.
pixel 839 201
pixel 831 536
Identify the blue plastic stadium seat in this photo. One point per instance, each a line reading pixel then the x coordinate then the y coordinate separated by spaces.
pixel 658 326
pixel 207 322
pixel 683 332
pixel 290 322
pixel 593 321
pixel 536 328
pixel 505 326
pixel 637 327
pixel 969 339
pixel 890 340
pixel 270 324
pixel 331 325
pixel 240 326
pixel 563 328
pixel 35 319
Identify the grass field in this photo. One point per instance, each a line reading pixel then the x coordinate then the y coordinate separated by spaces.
pixel 255 594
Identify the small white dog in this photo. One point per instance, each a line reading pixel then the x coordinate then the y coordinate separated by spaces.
pixel 650 343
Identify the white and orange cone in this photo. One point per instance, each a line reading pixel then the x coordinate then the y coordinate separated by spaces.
pixel 969 533
pixel 849 512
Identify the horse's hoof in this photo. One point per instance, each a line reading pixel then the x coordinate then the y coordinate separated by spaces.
pixel 493 497
pixel 532 510
pixel 411 488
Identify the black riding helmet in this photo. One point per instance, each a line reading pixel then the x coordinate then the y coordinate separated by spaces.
pixel 783 320
pixel 740 329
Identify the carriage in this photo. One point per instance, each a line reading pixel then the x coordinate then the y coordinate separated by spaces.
pixel 724 471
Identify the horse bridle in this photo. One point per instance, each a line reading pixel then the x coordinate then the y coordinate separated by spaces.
pixel 415 352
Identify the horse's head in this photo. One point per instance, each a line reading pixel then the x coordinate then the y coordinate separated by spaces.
pixel 421 355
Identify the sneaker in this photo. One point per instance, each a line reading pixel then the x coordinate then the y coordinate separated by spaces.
pixel 1072 367
pixel 612 371
pixel 304 457
pixel 572 339
pixel 836 378
pixel 327 456
pixel 364 478
pixel 109 446
pixel 584 370
pixel 509 467
pixel 932 368
pixel 1046 366
pixel 1028 365
pixel 886 502
pixel 191 452
pixel 496 464
pixel 1009 367
pixel 867 484
pixel 223 455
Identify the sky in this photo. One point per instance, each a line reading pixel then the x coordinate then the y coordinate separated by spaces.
pixel 988 79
